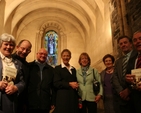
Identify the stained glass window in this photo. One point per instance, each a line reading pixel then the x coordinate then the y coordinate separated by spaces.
pixel 51 44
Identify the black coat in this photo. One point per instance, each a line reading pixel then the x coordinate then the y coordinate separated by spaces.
pixel 67 97
pixel 22 98
pixel 135 94
pixel 40 92
pixel 118 79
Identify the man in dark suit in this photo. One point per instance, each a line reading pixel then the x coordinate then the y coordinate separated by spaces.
pixel 120 86
pixel 41 94
pixel 136 61
pixel 22 50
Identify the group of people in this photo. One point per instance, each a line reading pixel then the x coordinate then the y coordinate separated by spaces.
pixel 36 87
pixel 121 92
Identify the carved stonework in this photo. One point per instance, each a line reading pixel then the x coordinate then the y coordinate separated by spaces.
pixel 50 26
pixel 134 14
pixel 125 18
pixel 115 25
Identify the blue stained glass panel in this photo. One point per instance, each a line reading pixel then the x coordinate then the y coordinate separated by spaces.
pixel 51 44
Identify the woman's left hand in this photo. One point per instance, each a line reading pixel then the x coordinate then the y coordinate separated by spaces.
pixel 97 98
pixel 10 89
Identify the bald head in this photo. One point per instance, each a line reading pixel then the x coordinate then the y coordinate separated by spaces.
pixel 42 55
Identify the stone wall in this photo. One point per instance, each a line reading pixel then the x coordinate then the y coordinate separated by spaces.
pixel 125 20
pixel 116 25
pixel 134 14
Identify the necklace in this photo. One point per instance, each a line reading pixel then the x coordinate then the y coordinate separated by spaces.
pixel 109 71
pixel 8 61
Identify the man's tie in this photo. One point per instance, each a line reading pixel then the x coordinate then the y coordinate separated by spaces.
pixel 138 64
pixel 124 64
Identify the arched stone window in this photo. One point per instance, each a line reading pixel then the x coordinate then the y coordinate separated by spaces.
pixel 42 38
pixel 51 44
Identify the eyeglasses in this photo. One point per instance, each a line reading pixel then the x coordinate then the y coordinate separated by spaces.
pixel 24 49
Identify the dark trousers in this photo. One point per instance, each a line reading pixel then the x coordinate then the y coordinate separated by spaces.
pixel 38 111
pixel 7 104
pixel 116 104
pixel 136 98
pixel 128 108
pixel 88 107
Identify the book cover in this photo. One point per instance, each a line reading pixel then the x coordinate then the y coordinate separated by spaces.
pixel 9 74
pixel 137 73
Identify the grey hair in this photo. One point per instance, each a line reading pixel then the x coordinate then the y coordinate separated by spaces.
pixel 5 37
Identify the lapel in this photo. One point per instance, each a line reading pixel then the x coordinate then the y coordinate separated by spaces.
pixel 15 63
pixel 73 71
pixel 120 65
pixel 80 71
pixel 103 75
pixel 131 62
pixel 66 70
pixel 133 54
pixel 90 70
pixel 0 69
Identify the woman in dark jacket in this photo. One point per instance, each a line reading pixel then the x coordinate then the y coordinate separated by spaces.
pixel 11 75
pixel 66 85
pixel 106 76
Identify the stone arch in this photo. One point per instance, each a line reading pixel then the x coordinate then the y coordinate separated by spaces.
pixel 58 28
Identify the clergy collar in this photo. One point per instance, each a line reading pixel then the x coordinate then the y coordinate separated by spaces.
pixel 63 66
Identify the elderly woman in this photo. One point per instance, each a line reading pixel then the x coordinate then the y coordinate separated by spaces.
pixel 11 76
pixel 66 85
pixel 106 76
pixel 85 78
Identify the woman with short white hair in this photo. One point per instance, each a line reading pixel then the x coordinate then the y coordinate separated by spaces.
pixel 11 75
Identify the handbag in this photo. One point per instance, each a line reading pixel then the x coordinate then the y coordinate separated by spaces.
pixel 96 85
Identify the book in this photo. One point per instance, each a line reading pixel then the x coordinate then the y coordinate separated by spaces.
pixel 137 73
pixel 9 74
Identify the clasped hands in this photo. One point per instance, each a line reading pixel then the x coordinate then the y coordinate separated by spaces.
pixel 9 89
pixel 74 85
pixel 124 94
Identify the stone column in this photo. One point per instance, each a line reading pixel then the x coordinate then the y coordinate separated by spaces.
pixel 125 26
pixel 2 9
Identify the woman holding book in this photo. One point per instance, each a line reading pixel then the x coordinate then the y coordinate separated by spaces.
pixel 11 75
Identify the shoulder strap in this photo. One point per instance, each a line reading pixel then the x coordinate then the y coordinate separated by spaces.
pixel 94 74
